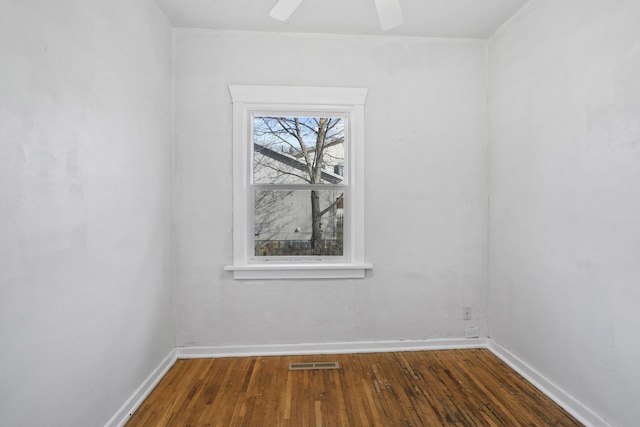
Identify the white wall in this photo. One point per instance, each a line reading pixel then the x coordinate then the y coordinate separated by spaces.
pixel 85 207
pixel 426 191
pixel 565 198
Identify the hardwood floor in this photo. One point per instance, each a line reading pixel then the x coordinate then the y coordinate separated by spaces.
pixel 425 388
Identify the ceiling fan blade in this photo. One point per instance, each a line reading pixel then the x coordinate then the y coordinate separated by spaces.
pixel 283 9
pixel 389 13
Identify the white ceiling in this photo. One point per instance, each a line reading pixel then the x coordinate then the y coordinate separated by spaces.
pixel 422 18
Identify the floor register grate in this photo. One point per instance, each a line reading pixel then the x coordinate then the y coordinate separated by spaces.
pixel 316 365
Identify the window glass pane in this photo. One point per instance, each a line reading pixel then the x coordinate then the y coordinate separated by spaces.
pixel 298 150
pixel 298 223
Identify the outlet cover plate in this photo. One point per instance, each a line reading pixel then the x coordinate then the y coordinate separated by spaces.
pixel 471 332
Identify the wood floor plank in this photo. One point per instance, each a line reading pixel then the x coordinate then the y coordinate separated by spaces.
pixel 426 388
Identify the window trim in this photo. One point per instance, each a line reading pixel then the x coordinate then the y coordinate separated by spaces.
pixel 347 101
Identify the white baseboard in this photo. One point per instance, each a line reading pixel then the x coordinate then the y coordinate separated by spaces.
pixel 130 406
pixel 329 348
pixel 555 393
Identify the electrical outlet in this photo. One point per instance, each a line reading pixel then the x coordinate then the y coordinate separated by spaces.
pixel 466 315
pixel 471 332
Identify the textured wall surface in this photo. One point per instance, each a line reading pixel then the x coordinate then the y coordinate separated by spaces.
pixel 85 207
pixel 565 198
pixel 426 190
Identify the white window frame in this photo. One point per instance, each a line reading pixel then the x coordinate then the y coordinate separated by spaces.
pixel 348 102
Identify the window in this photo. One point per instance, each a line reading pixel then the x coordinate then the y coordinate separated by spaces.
pixel 298 182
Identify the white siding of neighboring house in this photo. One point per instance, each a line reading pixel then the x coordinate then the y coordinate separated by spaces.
pixel 281 213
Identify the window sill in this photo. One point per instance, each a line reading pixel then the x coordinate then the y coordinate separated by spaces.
pixel 298 271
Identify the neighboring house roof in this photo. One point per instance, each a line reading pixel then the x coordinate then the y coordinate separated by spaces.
pixel 293 162
pixel 299 154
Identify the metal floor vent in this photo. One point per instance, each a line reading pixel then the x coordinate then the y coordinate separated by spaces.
pixel 316 365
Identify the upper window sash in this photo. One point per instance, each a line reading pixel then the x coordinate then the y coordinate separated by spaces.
pixel 279 159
